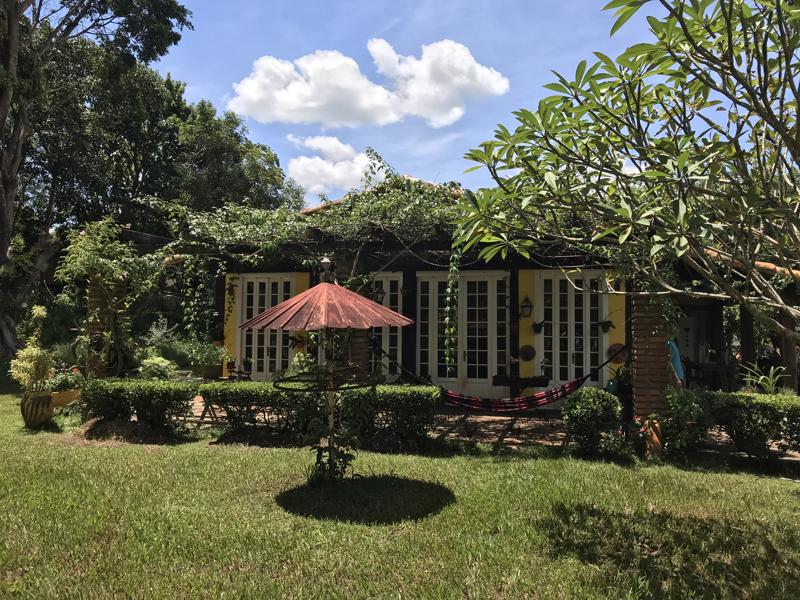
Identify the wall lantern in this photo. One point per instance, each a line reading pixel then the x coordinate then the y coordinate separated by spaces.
pixel 606 325
pixel 526 308
pixel 378 294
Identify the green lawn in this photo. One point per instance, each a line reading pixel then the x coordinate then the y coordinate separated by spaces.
pixel 199 520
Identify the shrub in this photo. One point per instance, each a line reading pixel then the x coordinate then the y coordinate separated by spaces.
pixel 683 428
pixel 64 380
pixel 157 367
pixel 756 422
pixel 615 447
pixel 589 413
pixel 31 367
pixel 160 403
pixel 155 403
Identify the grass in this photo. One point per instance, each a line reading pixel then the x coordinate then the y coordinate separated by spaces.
pixel 203 520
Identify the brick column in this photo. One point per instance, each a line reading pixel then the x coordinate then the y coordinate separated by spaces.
pixel 651 374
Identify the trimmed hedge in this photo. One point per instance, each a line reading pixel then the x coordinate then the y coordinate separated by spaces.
pixel 244 402
pixel 755 422
pixel 388 417
pixel 391 416
pixel 155 403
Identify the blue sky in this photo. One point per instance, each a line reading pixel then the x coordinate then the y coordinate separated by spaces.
pixel 410 107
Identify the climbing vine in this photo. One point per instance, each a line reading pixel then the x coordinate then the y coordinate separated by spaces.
pixel 451 314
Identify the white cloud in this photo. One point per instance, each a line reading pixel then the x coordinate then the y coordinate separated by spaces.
pixel 339 167
pixel 328 87
pixel 329 146
pixel 436 85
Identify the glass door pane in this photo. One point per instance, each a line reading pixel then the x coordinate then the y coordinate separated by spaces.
pixel 476 352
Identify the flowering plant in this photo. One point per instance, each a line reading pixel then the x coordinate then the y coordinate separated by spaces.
pixel 66 379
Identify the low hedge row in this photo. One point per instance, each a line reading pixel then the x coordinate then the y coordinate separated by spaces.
pixel 155 403
pixel 755 422
pixel 249 402
pixel 387 417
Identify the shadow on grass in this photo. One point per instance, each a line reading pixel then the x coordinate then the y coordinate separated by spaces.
pixel 669 556
pixel 728 462
pixel 260 437
pixel 131 432
pixel 374 500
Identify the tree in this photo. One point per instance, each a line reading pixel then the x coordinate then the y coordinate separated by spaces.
pixel 34 34
pixel 676 163
pixel 219 165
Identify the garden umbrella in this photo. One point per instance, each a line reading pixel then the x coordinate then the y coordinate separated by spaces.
pixel 327 305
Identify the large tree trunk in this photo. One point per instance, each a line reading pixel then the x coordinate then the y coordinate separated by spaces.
pixel 8 336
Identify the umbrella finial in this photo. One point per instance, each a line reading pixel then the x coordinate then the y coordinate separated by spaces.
pixel 327 274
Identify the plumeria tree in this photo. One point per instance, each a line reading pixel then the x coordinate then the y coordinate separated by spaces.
pixel 676 162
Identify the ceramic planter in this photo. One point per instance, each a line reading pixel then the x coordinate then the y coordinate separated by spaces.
pixel 65 397
pixel 37 408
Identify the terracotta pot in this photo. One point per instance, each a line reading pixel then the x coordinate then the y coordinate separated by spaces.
pixel 65 397
pixel 37 408
pixel 655 441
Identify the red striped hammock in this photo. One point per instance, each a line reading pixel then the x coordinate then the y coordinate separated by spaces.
pixel 518 404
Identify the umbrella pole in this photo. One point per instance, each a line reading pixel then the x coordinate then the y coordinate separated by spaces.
pixel 330 397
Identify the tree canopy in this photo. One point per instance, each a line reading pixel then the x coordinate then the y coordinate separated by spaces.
pixel 676 162
pixel 91 131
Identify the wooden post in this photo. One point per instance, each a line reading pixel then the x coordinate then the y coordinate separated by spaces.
pixel 747 340
pixel 651 374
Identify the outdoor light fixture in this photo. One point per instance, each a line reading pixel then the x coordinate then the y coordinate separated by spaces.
pixel 606 325
pixel 378 294
pixel 526 308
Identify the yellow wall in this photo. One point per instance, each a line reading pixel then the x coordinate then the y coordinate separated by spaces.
pixel 526 335
pixel 229 316
pixel 616 334
pixel 302 283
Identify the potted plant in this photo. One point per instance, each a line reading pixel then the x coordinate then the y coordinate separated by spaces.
pixel 65 386
pixel 32 368
pixel 207 359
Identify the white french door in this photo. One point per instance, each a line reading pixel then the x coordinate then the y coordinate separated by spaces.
pixel 569 311
pixel 390 284
pixel 267 350
pixel 482 332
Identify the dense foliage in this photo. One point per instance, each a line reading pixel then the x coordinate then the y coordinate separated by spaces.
pixel 679 157
pixel 109 137
pixel 42 88
pixel 759 424
pixel 396 208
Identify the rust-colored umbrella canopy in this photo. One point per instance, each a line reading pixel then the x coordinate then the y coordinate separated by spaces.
pixel 326 305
